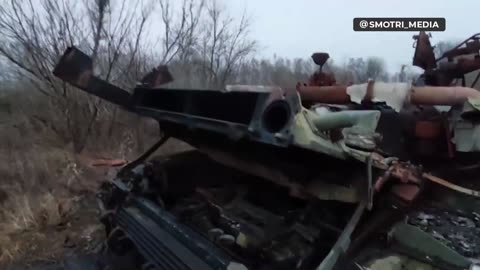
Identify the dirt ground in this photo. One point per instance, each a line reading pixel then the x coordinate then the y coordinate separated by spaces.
pixel 59 225
pixel 80 234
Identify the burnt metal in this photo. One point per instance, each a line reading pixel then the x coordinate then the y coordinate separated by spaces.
pixel 76 68
pixel 468 46
pixel 447 72
pixel 424 56
pixel 167 244
pixel 258 114
pixel 458 230
pixel 235 217
pixel 442 73
pixel 262 114
pixel 157 77
pixel 320 58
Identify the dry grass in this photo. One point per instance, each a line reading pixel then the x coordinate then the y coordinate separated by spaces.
pixel 35 176
pixel 42 181
pixel 26 212
pixel 35 197
pixel 30 215
pixel 9 250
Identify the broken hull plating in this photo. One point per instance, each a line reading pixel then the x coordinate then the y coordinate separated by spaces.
pixel 214 217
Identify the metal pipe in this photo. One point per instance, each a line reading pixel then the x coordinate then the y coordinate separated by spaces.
pixel 324 94
pixel 431 95
pixel 418 95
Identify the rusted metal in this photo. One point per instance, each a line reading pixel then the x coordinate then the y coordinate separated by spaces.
pixel 406 192
pixel 410 175
pixel 429 95
pixel 324 94
pixel 418 95
pixel 447 72
pixel 471 45
pixel 108 162
pixel 424 56
pixel 407 173
pixel 404 173
pixel 428 129
pixel 321 78
pixel 439 72
pixel 449 185
pixel 383 179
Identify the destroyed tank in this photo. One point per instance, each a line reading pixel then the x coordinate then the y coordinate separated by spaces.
pixel 322 176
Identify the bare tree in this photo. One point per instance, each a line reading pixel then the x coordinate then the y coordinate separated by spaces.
pixel 375 69
pixel 36 34
pixel 125 42
pixel 34 41
pixel 357 66
pixel 224 44
pixel 365 69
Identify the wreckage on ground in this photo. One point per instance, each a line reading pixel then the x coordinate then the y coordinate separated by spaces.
pixel 322 176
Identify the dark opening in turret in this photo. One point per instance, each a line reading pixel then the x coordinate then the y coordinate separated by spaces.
pixel 276 116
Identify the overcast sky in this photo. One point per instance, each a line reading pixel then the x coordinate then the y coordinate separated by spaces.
pixel 297 28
